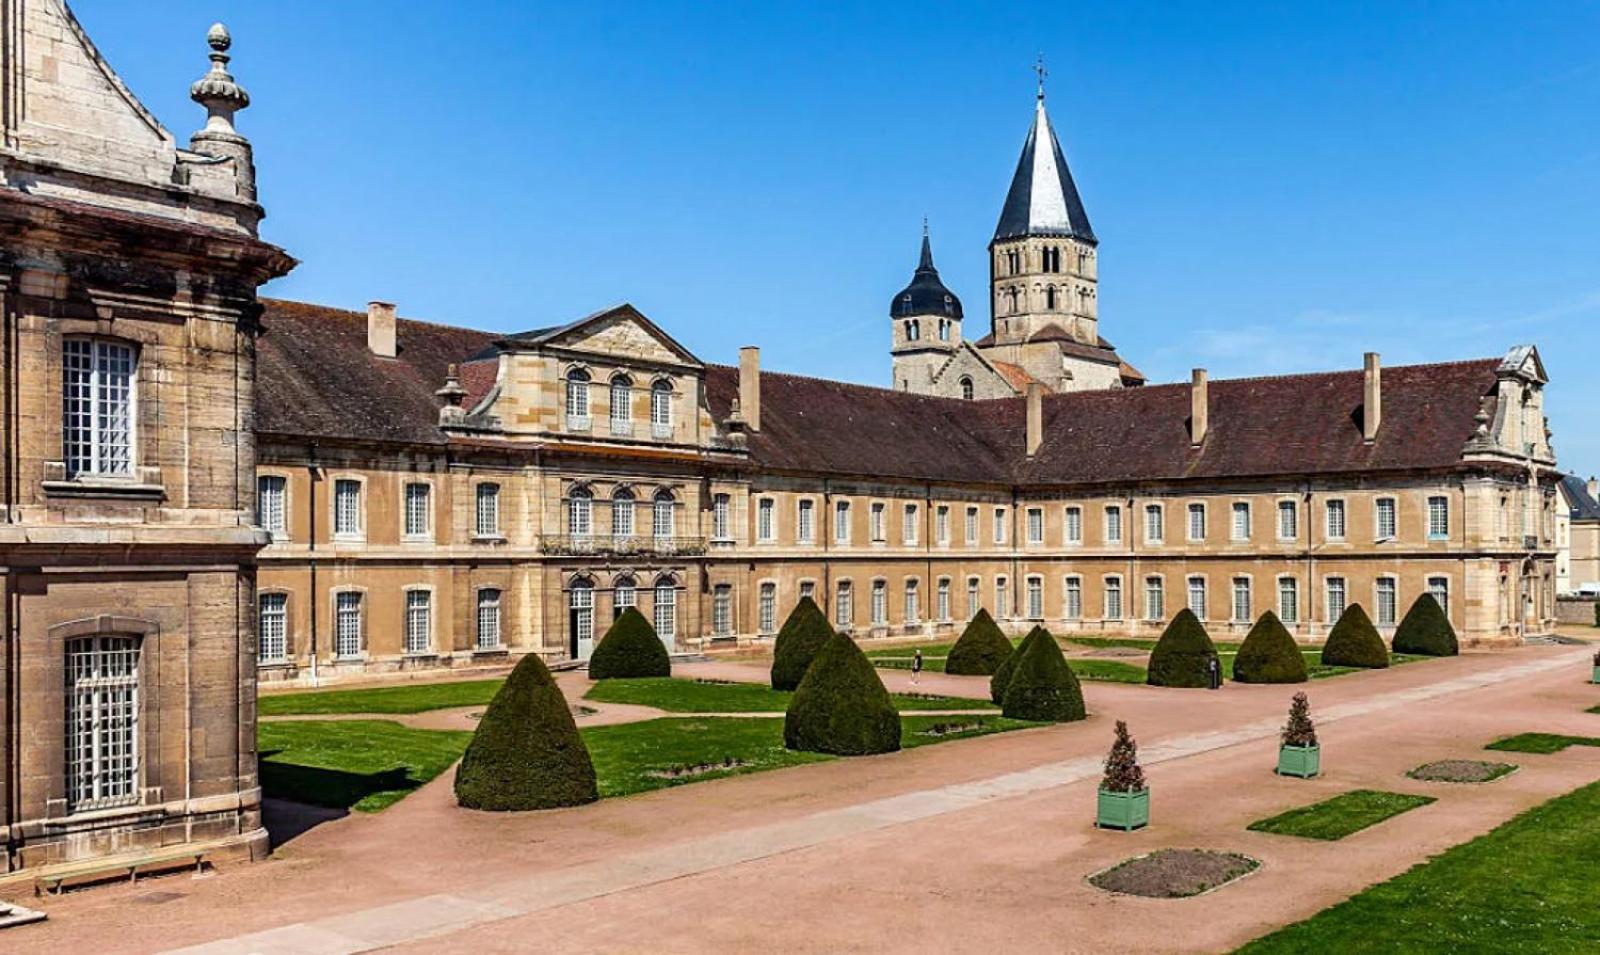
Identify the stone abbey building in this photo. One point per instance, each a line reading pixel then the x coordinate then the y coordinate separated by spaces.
pixel 203 488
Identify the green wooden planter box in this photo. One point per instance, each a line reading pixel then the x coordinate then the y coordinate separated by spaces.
pixel 1302 761
pixel 1596 677
pixel 1123 810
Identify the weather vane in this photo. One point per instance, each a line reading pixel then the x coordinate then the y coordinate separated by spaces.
pixel 1038 67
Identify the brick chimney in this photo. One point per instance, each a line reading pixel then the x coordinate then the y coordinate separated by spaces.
pixel 1372 398
pixel 1199 407
pixel 1035 401
pixel 380 329
pixel 1594 488
pixel 750 386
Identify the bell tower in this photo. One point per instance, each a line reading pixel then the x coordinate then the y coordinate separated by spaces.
pixel 925 325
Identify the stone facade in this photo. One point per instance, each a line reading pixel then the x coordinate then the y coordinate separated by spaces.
pixel 128 275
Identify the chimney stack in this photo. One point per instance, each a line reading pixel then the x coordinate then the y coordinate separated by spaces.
pixel 1372 398
pixel 1035 399
pixel 380 329
pixel 750 386
pixel 1594 488
pixel 1199 407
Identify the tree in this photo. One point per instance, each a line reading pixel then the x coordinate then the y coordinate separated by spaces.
pixel 1183 655
pixel 1269 654
pixel 629 649
pixel 1043 688
pixel 981 649
pixel 799 639
pixel 841 707
pixel 1123 774
pixel 1299 731
pixel 1354 642
pixel 1002 673
pixel 1426 630
pixel 526 752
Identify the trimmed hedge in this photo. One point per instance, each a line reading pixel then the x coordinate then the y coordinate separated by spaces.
pixel 1043 688
pixel 1269 654
pixel 841 706
pixel 526 752
pixel 799 639
pixel 1354 642
pixel 1183 654
pixel 981 649
pixel 1002 673
pixel 1426 630
pixel 629 649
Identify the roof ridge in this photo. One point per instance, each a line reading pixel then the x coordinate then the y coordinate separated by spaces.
pixel 352 313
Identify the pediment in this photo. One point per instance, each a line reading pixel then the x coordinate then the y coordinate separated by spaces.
pixel 622 332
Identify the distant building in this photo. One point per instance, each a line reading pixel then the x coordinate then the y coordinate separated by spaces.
pixel 1578 536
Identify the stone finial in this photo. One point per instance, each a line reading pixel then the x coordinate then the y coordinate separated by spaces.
pixel 223 97
pixel 452 392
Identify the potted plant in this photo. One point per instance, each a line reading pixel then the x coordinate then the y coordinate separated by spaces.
pixel 1124 798
pixel 1299 755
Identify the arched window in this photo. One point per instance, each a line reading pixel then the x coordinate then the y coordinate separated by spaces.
pixel 622 513
pixel 944 329
pixel 662 524
pixel 624 594
pixel 966 387
pixel 661 408
pixel 1012 293
pixel 1050 297
pixel 580 512
pixel 622 406
pixel 577 400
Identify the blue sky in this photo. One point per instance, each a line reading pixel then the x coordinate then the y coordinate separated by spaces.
pixel 1276 187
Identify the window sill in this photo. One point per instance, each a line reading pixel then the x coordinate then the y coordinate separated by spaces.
pixel 104 488
pixel 282 664
pixel 488 538
pixel 490 651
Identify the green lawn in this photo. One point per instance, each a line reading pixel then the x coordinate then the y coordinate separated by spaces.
pixel 368 765
pixel 1342 815
pixel 415 698
pixel 1528 886
pixel 1540 743
pixel 690 696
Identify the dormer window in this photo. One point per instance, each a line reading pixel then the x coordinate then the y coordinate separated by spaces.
pixel 577 400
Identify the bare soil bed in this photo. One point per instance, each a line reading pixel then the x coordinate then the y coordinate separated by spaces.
pixel 1461 771
pixel 1174 873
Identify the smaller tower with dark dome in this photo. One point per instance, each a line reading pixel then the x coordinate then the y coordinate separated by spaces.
pixel 926 320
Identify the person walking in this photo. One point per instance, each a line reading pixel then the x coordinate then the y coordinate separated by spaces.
pixel 916 666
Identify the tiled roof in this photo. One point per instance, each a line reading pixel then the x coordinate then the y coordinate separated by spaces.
pixel 1015 375
pixel 1584 506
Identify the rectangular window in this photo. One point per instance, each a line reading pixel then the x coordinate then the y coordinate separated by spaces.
pixel 1288 520
pixel 943 606
pixel 578 401
pixel 972 527
pixel 1385 519
pixel 663 516
pixel 346 508
pixel 843 610
pixel 1072 607
pixel 1438 518
pixel 488 619
pixel 272 628
pixel 841 522
pixel 1241 599
pixel 999 525
pixel 1036 525
pixel 1154 526
pixel 622 515
pixel 973 603
pixel 880 603
pixel 1197 522
pixel 1336 598
pixel 768 608
pixel 418 504
pixel 908 525
pixel 875 521
pixel 347 624
pixel 1241 521
pixel 1113 598
pixel 1197 597
pixel 1035 598
pixel 721 518
pixel 1155 599
pixel 941 525
pixel 665 611
pixel 764 510
pixel 1002 597
pixel 419 621
pixel 804 525
pixel 97 408
pixel 1113 525
pixel 1439 590
pixel 102 722
pixel 271 493
pixel 808 589
pixel 1388 601
pixel 913 603
pixel 721 610
pixel 1288 600
pixel 621 410
pixel 1072 525
pixel 488 510
pixel 661 409
pixel 1335 510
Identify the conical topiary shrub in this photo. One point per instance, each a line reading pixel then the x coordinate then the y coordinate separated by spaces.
pixel 799 639
pixel 981 649
pixel 1002 673
pixel 841 706
pixel 1354 642
pixel 1183 655
pixel 1042 687
pixel 1426 630
pixel 1269 654
pixel 526 752
pixel 629 649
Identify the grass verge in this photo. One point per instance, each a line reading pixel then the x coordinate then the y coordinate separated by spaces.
pixel 1342 815
pixel 1528 886
pixel 691 696
pixel 413 698
pixel 365 765
pixel 1540 743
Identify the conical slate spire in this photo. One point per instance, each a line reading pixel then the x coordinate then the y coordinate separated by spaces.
pixel 926 295
pixel 1043 199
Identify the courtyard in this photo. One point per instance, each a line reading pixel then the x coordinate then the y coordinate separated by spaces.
pixel 974 843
